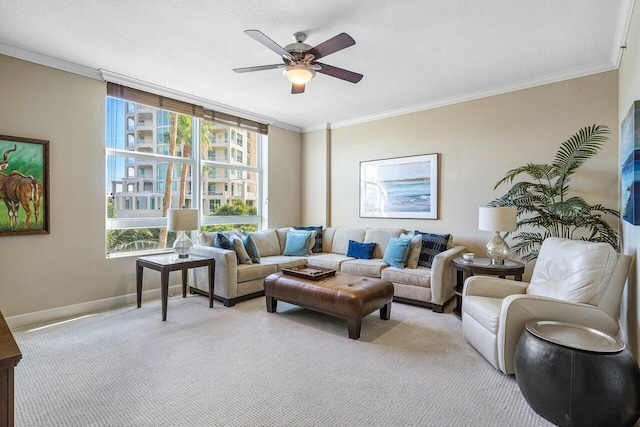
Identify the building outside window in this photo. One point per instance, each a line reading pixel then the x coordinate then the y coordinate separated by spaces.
pixel 154 171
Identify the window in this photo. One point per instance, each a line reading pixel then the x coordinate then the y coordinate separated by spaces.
pixel 150 171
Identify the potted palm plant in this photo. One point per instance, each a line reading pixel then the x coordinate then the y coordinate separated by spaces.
pixel 545 208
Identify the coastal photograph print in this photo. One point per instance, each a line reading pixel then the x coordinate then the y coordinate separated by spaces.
pixel 630 165
pixel 400 187
pixel 24 186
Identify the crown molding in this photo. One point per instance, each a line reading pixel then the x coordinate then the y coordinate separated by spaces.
pixel 113 77
pixel 49 61
pixel 526 84
pixel 286 126
pixel 624 20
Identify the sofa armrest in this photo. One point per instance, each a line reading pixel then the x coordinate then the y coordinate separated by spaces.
pixel 517 310
pixel 225 282
pixel 443 275
pixel 492 287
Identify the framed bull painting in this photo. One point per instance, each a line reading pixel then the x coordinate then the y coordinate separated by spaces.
pixel 24 186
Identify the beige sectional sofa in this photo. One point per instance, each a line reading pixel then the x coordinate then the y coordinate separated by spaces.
pixel 430 287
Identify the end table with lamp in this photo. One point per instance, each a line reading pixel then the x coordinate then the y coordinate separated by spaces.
pixel 482 266
pixel 180 220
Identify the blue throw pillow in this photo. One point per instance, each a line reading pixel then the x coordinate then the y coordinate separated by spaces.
pixel 432 245
pixel 317 247
pixel 397 252
pixel 360 250
pixel 222 242
pixel 296 244
pixel 251 248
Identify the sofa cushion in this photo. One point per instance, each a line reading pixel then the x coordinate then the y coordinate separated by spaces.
pixel 420 276
pixel 432 245
pixel 333 261
pixel 251 248
pixel 207 238
pixel 248 272
pixel 317 246
pixel 341 238
pixel 284 261
pixel 327 239
pixel 397 252
pixel 414 249
pixel 241 252
pixel 360 250
pixel 381 236
pixel 267 242
pixel 297 243
pixel 364 267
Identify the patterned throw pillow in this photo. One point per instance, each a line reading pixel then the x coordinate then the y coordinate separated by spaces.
pixel 317 247
pixel 361 250
pixel 251 248
pixel 222 242
pixel 432 245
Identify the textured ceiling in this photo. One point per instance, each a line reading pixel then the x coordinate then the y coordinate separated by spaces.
pixel 412 53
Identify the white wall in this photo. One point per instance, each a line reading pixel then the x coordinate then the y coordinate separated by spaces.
pixel 628 93
pixel 66 272
pixel 478 142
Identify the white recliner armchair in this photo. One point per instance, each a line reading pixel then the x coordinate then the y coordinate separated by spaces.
pixel 573 281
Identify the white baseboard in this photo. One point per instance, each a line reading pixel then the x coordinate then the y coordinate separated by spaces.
pixel 66 312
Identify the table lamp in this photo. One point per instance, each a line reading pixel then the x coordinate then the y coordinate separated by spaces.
pixel 497 219
pixel 182 220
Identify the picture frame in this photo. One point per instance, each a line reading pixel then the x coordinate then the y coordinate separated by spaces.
pixel 24 186
pixel 630 165
pixel 400 187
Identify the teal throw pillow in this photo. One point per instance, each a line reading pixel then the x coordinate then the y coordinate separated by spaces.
pixel 296 244
pixel 252 249
pixel 317 247
pixel 397 252
pixel 432 245
pixel 361 250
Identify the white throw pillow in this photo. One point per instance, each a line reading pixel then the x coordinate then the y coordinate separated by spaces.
pixel 414 249
pixel 241 252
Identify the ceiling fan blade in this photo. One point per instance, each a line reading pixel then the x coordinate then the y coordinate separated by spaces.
pixel 261 38
pixel 339 42
pixel 257 68
pixel 339 73
pixel 297 88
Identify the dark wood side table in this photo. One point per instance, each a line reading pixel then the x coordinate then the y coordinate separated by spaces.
pixel 9 357
pixel 482 266
pixel 170 262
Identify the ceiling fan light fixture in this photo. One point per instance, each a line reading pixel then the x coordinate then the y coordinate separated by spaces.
pixel 300 74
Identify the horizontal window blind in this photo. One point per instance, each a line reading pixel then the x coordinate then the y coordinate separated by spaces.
pixel 139 96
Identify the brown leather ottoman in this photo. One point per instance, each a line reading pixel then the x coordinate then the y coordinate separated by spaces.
pixel 343 295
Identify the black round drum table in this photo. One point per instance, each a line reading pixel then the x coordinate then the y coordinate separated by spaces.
pixel 573 375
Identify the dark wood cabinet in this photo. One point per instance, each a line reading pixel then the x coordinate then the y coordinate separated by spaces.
pixel 9 357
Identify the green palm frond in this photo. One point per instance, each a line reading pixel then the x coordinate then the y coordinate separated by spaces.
pixel 542 203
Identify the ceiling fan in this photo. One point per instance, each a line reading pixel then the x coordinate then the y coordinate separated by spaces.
pixel 300 60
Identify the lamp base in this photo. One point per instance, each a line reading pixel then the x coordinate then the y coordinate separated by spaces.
pixel 497 250
pixel 182 245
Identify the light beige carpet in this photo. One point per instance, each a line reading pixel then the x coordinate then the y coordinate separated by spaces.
pixel 244 366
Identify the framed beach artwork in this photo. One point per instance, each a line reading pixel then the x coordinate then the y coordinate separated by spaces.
pixel 401 187
pixel 630 165
pixel 24 186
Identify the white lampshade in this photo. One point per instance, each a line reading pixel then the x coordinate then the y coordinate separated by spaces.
pixel 497 218
pixel 182 219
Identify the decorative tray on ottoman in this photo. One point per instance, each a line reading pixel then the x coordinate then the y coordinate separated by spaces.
pixel 310 272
